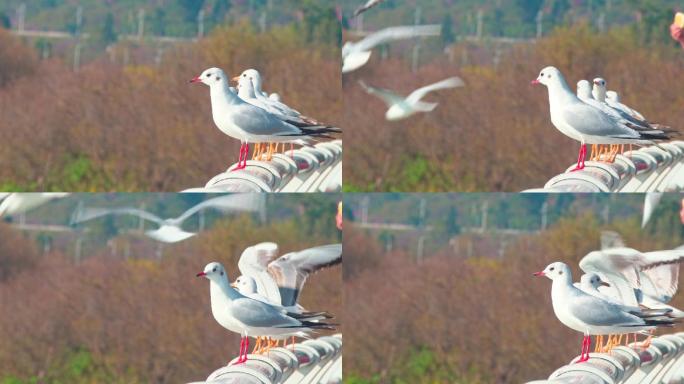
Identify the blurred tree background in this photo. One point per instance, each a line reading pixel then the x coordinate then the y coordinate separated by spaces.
pixel 121 314
pixel 469 310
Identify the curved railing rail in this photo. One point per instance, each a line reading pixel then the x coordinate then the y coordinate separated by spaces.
pixel 661 362
pixel 310 362
pixel 308 169
pixel 657 168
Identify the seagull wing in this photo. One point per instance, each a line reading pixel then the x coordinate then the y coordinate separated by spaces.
pixel 94 213
pixel 254 263
pixel 611 239
pixel 593 122
pixel 368 5
pixel 390 98
pixel 418 94
pixel 651 201
pixel 396 33
pixel 249 202
pixel 254 313
pixel 291 270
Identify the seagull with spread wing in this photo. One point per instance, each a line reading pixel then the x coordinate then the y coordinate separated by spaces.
pixel 281 281
pixel 402 107
pixel 356 54
pixel 170 230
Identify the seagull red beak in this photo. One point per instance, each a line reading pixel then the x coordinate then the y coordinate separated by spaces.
pixel 540 273
pixel 534 82
pixel 196 79
pixel 201 274
pixel 595 82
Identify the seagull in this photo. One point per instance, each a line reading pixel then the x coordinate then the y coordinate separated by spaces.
pixel 356 54
pixel 247 123
pixel 584 93
pixel 589 314
pixel 368 5
pixel 282 280
pixel 250 317
pixel 400 107
pixel 601 94
pixel 170 230
pixel 18 203
pixel 647 278
pixel 651 200
pixel 585 123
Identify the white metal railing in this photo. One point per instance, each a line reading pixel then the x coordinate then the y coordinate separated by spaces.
pixel 661 362
pixel 316 361
pixel 308 169
pixel 657 168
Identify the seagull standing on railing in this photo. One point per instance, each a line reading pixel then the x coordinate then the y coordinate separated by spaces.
pixel 400 107
pixel 356 54
pixel 589 314
pixel 250 317
pixel 247 123
pixel 585 123
pixel 170 230
pixel 281 281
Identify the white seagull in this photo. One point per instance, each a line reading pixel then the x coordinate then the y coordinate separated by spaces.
pixel 356 54
pixel 250 317
pixel 589 314
pixel 584 123
pixel 400 107
pixel 282 280
pixel 248 123
pixel 170 230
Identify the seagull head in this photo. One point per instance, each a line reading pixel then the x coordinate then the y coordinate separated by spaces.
pixel 210 77
pixel 252 75
pixel 547 76
pixel 612 95
pixel 592 280
pixel 213 271
pixel 245 285
pixel 555 271
pixel 584 89
pixel 599 90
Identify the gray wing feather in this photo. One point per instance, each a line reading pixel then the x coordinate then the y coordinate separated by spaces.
pixel 291 270
pixel 256 121
pixel 597 312
pixel 257 314
pixel 591 121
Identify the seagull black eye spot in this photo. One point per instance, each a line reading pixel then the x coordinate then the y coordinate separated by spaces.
pixel 214 270
pixel 551 269
pixel 218 78
pixel 560 272
pixel 221 273
pixel 208 74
